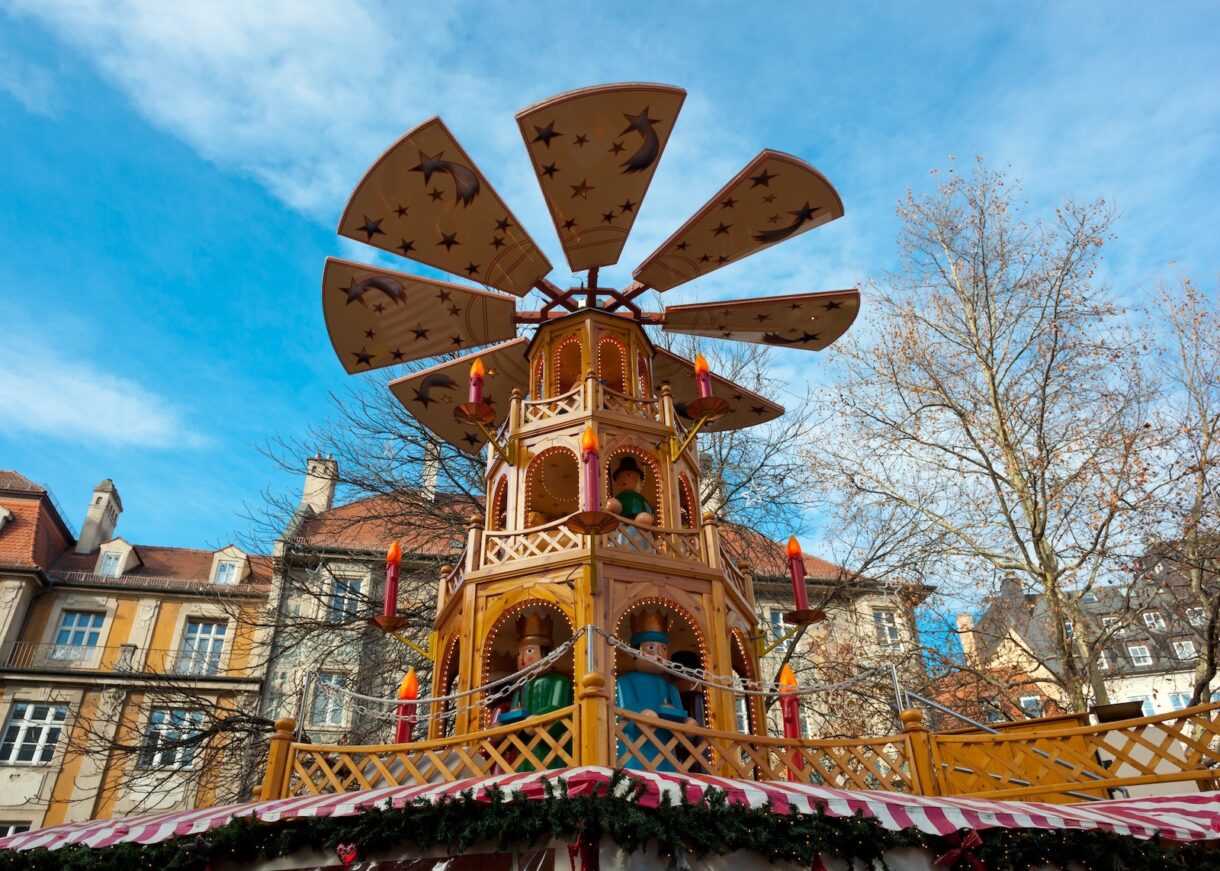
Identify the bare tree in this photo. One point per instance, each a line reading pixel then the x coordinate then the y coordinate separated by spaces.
pixel 995 406
pixel 1186 517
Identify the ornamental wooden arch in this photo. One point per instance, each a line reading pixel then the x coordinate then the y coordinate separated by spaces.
pixel 688 512
pixel 538 379
pixel 566 362
pixel 552 485
pixel 612 363
pixel 499 504
pixel 679 639
pixel 643 376
pixel 743 666
pixel 446 684
pixel 497 640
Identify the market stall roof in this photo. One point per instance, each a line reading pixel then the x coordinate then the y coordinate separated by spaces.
pixel 1185 817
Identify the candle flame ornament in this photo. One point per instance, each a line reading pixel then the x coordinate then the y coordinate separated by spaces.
pixel 477 371
pixel 790 708
pixel 408 692
pixel 703 377
pixel 393 563
pixel 588 441
pixel 787 679
pixel 796 567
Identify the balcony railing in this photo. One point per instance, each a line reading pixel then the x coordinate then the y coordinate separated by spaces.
pixel 157 582
pixel 123 658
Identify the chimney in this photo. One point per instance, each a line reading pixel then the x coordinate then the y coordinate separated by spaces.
pixel 432 463
pixel 965 632
pixel 101 517
pixel 321 474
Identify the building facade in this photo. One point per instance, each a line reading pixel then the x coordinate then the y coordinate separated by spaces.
pixel 114 658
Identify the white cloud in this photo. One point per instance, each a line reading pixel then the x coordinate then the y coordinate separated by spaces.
pixel 45 394
pixel 31 86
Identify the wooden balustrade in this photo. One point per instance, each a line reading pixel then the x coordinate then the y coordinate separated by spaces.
pixel 1174 751
pixel 680 544
pixel 551 538
pixel 547 741
pixel 863 763
pixel 535 410
pixel 631 406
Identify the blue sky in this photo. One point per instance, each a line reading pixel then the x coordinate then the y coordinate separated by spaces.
pixel 171 176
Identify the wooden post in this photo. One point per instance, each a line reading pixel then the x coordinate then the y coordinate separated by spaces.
pixel 667 406
pixel 474 544
pixel 275 782
pixel 516 413
pixel 711 540
pixel 923 773
pixel 592 393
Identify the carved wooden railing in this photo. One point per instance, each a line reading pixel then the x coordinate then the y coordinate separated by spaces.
pixel 551 538
pixel 545 742
pixel 534 410
pixel 653 541
pixel 865 763
pixel 1084 761
pixel 632 406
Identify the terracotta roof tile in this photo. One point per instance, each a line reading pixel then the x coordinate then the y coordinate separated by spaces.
pixel 182 563
pixel 10 480
pixel 371 524
pixel 31 537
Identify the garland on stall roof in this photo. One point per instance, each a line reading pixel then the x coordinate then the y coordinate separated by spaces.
pixel 677 832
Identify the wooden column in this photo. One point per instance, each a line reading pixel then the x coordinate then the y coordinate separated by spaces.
pixel 275 781
pixel 923 771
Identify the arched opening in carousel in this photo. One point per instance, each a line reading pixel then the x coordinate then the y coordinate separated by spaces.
pixel 659 632
pixel 745 707
pixel 499 505
pixel 566 364
pixel 520 642
pixel 552 486
pixel 634 479
pixel 444 715
pixel 612 363
pixel 688 514
pixel 643 372
pixel 538 379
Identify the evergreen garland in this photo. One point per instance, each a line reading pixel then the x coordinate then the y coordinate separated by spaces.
pixel 709 826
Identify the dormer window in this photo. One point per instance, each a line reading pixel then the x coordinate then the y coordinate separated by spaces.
pixel 112 565
pixel 226 572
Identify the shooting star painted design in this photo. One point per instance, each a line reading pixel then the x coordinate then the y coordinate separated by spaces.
pixel 466 183
pixel 777 339
pixel 392 288
pixel 803 214
pixel 646 155
pixel 439 381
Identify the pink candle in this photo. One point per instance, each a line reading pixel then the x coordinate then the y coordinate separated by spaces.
pixel 408 692
pixel 703 377
pixel 790 708
pixel 796 567
pixel 591 470
pixel 393 560
pixel 476 381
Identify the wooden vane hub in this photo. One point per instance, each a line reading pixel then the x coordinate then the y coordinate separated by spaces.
pixel 708 407
pixel 805 616
pixel 593 522
pixel 475 412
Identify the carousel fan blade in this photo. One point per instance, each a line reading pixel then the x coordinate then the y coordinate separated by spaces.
pixel 433 394
pixel 426 200
pixel 810 321
pixel 377 317
pixel 746 407
pixel 594 151
pixel 777 196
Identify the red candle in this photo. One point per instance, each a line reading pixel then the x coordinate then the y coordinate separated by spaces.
pixel 703 377
pixel 790 708
pixel 591 469
pixel 476 381
pixel 393 559
pixel 408 692
pixel 796 567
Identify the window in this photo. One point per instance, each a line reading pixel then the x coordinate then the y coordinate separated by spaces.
pixel 111 565
pixel 32 732
pixel 1139 655
pixel 327 709
pixel 78 634
pixel 226 572
pixel 1179 700
pixel 344 599
pixel 1112 624
pixel 1067 629
pixel 1103 661
pixel 1184 649
pixel 1089 597
pixel 1195 616
pixel 885 622
pixel 166 727
pixel 203 643
pixel 1031 704
pixel 1148 708
pixel 1154 620
pixel 9 828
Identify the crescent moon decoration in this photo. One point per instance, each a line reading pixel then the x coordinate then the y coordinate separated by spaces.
pixel 650 148
pixel 423 393
pixel 594 152
pixel 466 183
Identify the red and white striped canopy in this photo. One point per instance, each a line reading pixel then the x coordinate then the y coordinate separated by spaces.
pixel 1186 817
